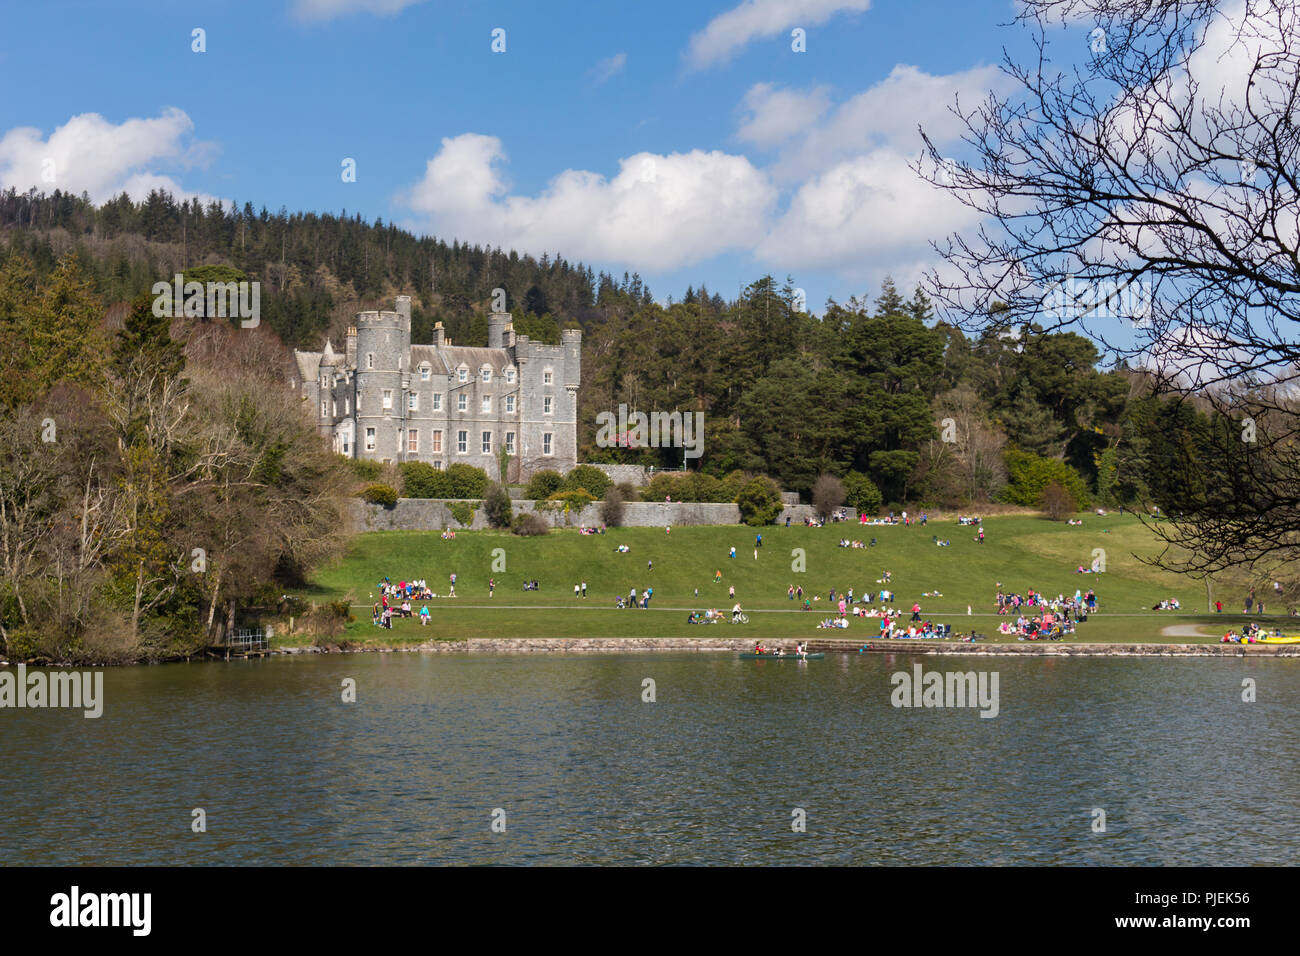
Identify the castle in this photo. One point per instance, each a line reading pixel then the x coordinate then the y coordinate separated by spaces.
pixel 387 400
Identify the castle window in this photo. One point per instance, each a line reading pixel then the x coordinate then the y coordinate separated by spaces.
pixel 510 376
pixel 547 377
pixel 413 401
pixel 485 374
pixel 546 405
pixel 370 439
pixel 546 443
pixel 347 406
pixel 510 404
pixel 437 465
pixel 487 404
pixel 370 360
pixel 462 374
pixel 462 402
pixel 510 443
pixel 487 443
pixel 388 399
pixel 436 439
pixel 462 441
pixel 425 373
pixel 334 408
pixel 413 440
pixel 324 408
pixel 437 401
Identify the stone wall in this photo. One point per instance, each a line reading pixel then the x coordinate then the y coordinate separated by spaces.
pixel 632 474
pixel 427 514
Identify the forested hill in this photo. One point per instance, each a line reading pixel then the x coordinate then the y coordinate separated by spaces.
pixel 877 392
pixel 316 269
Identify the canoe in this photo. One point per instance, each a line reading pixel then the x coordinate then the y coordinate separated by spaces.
pixel 749 656
pixel 1278 640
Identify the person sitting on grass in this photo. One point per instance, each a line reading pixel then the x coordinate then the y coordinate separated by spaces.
pixel 424 615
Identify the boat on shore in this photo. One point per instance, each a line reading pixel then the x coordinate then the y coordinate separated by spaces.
pixel 751 656
pixel 1286 639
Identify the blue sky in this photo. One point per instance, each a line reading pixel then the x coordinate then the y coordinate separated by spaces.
pixel 684 140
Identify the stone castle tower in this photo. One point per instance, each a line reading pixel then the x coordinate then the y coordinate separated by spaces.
pixel 385 399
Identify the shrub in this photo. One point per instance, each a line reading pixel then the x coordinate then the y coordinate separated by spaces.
pixel 1029 474
pixel 759 501
pixel 594 481
pixel 530 524
pixel 576 499
pixel 628 490
pixel 385 495
pixel 861 493
pixel 543 484
pixel 1057 501
pixel 827 494
pixel 421 480
pixel 365 469
pixel 462 511
pixel 611 509
pixel 466 481
pixel 496 505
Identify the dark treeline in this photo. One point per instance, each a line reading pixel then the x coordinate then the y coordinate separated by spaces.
pixel 875 392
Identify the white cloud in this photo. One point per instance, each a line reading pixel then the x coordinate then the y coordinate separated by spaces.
pixel 321 10
pixel 608 67
pixel 774 116
pixel 90 154
pixel 727 33
pixel 887 115
pixel 658 213
pixel 863 211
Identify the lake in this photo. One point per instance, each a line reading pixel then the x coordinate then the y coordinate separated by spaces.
pixel 714 771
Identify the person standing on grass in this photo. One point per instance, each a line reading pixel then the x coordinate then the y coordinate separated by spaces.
pixel 731 591
pixel 981 537
pixel 650 565
pixel 576 589
pixel 733 550
pixel 790 593
pixel 584 590
pixel 492 586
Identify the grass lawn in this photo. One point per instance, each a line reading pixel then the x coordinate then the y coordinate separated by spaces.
pixel 1021 552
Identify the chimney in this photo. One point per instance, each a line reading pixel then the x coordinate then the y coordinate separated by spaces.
pixel 438 335
pixel 404 310
pixel 510 335
pixel 352 347
pixel 497 323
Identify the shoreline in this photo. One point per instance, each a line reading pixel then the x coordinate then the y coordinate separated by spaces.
pixel 651 645
pixel 830 646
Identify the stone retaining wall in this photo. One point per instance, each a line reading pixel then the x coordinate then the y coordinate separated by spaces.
pixel 428 514
pixel 732 645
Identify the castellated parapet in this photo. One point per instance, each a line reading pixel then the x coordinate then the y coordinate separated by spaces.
pixel 384 399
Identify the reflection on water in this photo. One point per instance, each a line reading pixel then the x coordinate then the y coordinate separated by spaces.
pixel 587 772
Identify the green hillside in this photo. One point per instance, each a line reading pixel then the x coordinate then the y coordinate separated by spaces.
pixel 1019 552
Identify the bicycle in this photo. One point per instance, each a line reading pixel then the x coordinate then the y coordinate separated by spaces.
pixel 740 619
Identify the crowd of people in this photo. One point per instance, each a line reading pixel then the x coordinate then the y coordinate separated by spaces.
pixel 1079 607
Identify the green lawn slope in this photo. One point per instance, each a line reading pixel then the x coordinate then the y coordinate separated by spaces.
pixel 1020 552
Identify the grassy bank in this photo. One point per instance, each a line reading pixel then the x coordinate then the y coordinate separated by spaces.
pixel 1021 552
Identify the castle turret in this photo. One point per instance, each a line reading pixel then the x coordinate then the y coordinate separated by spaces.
pixel 497 323
pixel 571 340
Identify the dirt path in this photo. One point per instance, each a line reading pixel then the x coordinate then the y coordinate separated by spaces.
pixel 1183 630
